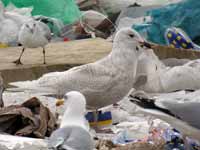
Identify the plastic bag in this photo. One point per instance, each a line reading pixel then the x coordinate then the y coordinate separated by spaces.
pixel 177 38
pixel 22 11
pixel 65 10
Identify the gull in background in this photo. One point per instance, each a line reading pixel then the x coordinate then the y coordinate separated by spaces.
pixel 33 34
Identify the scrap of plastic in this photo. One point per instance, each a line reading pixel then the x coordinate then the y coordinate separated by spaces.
pixel 169 135
pixel 11 21
pixel 177 38
pixel 184 15
pixel 22 11
pixel 122 138
pixel 174 140
pixel 54 24
pixel 92 21
pixel 65 10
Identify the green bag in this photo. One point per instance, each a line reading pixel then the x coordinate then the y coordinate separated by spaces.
pixel 65 10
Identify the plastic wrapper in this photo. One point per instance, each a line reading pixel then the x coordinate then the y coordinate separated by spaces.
pixel 177 38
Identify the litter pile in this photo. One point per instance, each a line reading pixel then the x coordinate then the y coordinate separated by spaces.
pixel 127 124
pixel 31 119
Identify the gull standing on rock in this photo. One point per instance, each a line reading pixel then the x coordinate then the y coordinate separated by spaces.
pixel 73 133
pixel 103 82
pixel 33 34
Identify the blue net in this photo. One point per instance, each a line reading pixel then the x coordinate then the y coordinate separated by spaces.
pixel 184 15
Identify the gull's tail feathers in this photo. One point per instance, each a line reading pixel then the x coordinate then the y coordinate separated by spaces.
pixel 30 86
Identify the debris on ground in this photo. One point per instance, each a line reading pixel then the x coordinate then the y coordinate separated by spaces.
pixel 120 126
pixel 30 119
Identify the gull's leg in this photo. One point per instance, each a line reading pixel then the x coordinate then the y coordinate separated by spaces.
pixel 1 91
pixel 96 127
pixel 44 59
pixel 18 61
pixel 95 113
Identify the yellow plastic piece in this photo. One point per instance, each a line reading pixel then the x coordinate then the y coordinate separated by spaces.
pixel 2 45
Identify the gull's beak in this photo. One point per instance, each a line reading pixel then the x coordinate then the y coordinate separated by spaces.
pixel 145 44
pixel 31 31
pixel 59 102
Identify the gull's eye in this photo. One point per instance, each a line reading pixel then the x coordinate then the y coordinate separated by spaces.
pixel 137 48
pixel 131 35
pixel 27 26
pixel 34 24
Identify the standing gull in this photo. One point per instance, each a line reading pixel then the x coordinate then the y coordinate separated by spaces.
pixel 33 34
pixel 103 82
pixel 73 133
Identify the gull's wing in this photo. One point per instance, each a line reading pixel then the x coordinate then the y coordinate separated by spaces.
pixel 185 111
pixel 162 111
pixel 188 111
pixel 46 30
pixel 88 77
pixel 141 80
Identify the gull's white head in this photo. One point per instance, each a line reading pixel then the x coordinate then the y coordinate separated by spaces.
pixel 75 103
pixel 75 99
pixel 126 48
pixel 75 109
pixel 128 36
pixel 30 26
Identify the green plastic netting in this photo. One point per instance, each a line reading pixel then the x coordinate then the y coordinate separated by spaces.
pixel 65 10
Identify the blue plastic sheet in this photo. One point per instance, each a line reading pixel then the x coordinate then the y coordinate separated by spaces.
pixel 184 15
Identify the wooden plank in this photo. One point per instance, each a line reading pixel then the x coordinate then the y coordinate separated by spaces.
pixel 60 56
pixel 167 52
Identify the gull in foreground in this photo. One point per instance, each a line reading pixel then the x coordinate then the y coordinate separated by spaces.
pixel 103 82
pixel 73 133
pixel 33 34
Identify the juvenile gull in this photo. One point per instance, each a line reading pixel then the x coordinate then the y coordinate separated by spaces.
pixel 34 34
pixel 73 133
pixel 103 82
